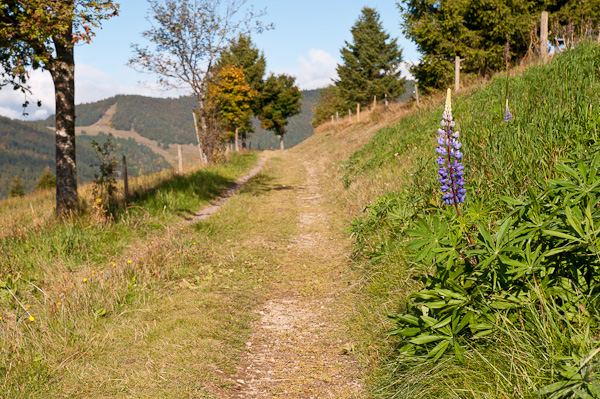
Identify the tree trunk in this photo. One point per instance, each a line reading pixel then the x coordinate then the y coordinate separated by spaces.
pixel 281 142
pixel 204 127
pixel 237 139
pixel 62 70
pixel 202 156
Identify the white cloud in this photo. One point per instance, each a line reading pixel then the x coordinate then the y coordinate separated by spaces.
pixel 42 89
pixel 319 69
pixel 404 69
pixel 91 84
pixel 314 72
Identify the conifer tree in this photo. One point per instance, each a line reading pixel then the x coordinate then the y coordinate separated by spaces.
pixel 371 63
pixel 47 180
pixel 477 31
pixel 17 188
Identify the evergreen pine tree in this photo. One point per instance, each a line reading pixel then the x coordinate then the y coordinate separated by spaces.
pixel 477 31
pixel 17 188
pixel 371 63
pixel 47 180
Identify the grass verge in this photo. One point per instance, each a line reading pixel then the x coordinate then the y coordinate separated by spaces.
pixel 78 292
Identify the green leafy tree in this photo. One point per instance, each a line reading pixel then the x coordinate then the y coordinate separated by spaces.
pixel 42 34
pixel 371 63
pixel 477 31
pixel 281 100
pixel 233 96
pixel 17 188
pixel 47 180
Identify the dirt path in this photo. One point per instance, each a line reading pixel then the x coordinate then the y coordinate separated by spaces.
pixel 298 348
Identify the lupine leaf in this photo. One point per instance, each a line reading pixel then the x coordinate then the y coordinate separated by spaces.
pixel 439 350
pixel 425 339
pixel 459 351
pixel 552 387
pixel 561 235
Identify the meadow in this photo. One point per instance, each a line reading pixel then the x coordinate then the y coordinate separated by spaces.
pixel 65 281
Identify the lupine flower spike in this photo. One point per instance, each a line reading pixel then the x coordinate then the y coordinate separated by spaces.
pixel 451 172
pixel 507 115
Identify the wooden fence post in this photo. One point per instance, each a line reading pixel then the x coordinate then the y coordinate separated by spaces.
pixel 332 121
pixel 349 116
pixel 544 36
pixel 374 102
pixel 337 116
pixel 417 94
pixel 386 102
pixel 125 180
pixel 456 73
pixel 180 158
pixel 358 112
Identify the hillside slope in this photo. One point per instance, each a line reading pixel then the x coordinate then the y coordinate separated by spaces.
pixel 507 265
pixel 25 150
pixel 169 121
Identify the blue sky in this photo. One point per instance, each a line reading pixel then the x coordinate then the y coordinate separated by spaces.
pixel 306 43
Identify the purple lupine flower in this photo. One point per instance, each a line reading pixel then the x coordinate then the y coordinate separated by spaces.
pixel 451 171
pixel 507 115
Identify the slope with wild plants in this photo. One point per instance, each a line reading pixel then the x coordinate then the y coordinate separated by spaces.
pixel 497 296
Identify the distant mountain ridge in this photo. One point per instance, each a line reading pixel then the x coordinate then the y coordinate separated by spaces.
pixel 169 120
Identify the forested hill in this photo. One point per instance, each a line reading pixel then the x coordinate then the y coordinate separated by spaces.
pixel 170 121
pixel 25 150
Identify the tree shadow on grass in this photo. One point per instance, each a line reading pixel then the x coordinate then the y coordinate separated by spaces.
pixel 183 195
pixel 262 184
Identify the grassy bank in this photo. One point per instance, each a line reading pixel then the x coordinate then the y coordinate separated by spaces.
pixel 529 332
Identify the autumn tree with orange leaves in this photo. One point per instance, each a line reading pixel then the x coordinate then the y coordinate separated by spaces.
pixel 41 34
pixel 233 96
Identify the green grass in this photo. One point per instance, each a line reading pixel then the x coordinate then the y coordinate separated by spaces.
pixel 556 120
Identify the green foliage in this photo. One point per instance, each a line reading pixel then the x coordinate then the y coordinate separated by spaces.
pixel 161 119
pixel 16 189
pixel 371 63
pixel 280 101
pixel 477 31
pixel 47 180
pixel 521 265
pixel 298 129
pixel 330 101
